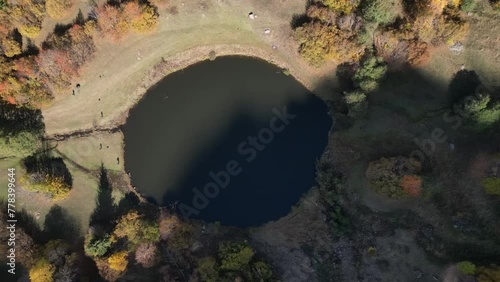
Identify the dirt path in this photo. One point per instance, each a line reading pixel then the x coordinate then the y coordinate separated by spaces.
pixel 121 73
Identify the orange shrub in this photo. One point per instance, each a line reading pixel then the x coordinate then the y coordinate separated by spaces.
pixel 412 184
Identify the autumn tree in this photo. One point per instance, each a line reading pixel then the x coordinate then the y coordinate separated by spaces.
pixel 11 47
pixel 118 261
pixel 28 15
pixel 175 232
pixel 115 22
pixel 319 42
pixel 168 224
pixel 42 271
pixel 146 21
pixel 147 255
pixel 64 55
pixel 386 175
pixel 111 22
pixel 58 9
pixel 342 6
pixel 137 229
pixel 57 68
pixel 20 83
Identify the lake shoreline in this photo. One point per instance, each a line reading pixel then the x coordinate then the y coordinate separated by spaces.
pixel 179 62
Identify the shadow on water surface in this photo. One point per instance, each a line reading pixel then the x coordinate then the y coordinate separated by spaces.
pixel 192 123
pixel 243 181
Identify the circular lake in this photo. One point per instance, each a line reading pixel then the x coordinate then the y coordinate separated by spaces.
pixel 233 140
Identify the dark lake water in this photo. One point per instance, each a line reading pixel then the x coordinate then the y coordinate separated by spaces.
pixel 232 140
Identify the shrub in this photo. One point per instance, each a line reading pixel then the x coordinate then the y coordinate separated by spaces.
pixel 58 9
pixel 412 184
pixel 467 267
pixel 478 110
pixel 381 11
pixel 356 103
pixel 212 55
pixel 386 175
pixel 468 5
pixel 491 185
pixel 264 272
pixel 331 187
pixel 118 261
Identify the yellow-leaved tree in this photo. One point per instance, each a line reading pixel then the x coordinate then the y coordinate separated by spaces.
pixel 11 47
pixel 43 271
pixel 342 6
pixel 118 261
pixel 146 21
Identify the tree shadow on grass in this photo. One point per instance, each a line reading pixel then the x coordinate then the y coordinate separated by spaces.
pixel 463 83
pixel 60 225
pixel 104 212
pixel 27 222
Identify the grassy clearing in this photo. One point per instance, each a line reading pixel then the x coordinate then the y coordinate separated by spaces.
pixel 85 151
pixel 481 53
pixel 5 164
pixel 84 191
